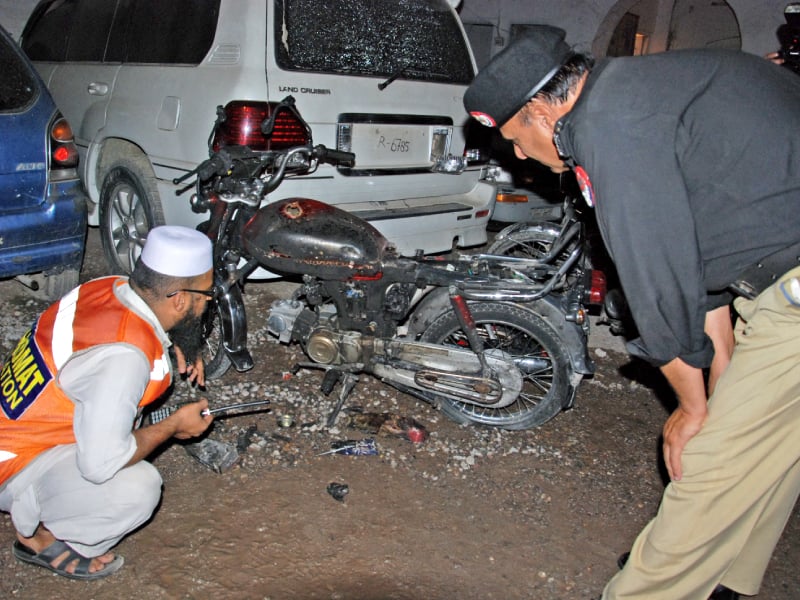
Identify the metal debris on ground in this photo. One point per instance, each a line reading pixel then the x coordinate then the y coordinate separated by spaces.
pixel 338 490
pixel 365 447
pixel 217 456
pixel 388 424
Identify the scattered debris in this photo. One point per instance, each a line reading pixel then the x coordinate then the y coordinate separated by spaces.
pixel 245 437
pixel 365 447
pixel 338 490
pixel 388 424
pixel 217 456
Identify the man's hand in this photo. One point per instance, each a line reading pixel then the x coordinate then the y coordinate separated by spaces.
pixel 688 418
pixel 195 373
pixel 186 422
pixel 775 57
pixel 678 430
pixel 189 421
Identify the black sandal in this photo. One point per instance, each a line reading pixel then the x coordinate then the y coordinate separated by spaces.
pixel 56 549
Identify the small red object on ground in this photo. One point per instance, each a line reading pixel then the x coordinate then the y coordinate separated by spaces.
pixel 416 434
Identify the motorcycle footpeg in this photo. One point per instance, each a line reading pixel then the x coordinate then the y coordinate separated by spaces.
pixel 329 381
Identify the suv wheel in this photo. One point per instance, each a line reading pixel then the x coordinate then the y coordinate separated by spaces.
pixel 129 209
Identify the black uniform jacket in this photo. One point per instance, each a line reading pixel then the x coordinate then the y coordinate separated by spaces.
pixel 694 160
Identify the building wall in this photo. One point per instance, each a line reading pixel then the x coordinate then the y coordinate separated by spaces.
pixel 14 13
pixel 589 23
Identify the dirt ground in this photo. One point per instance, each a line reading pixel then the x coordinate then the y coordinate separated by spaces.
pixel 471 513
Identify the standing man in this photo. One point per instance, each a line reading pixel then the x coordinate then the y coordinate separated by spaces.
pixel 692 161
pixel 72 469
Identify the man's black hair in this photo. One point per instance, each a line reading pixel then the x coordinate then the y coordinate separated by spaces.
pixel 558 88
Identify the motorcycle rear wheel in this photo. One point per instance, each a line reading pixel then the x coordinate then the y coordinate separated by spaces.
pixel 521 334
pixel 535 241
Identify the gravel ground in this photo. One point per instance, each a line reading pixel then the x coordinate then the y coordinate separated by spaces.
pixel 470 513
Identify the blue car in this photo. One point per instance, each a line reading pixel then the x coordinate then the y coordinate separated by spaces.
pixel 43 206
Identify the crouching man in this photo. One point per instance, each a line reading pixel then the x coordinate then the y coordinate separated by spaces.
pixel 73 474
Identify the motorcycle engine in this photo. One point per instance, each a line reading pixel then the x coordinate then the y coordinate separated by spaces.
pixel 282 317
pixel 329 347
pixel 289 321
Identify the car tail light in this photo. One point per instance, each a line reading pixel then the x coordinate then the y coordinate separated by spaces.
pixel 596 292
pixel 242 127
pixel 63 152
pixel 510 198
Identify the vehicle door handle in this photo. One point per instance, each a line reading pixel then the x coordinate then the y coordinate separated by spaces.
pixel 97 88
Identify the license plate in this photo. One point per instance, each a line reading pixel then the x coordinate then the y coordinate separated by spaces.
pixel 383 146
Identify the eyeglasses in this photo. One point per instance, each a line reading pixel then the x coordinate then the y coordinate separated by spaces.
pixel 207 293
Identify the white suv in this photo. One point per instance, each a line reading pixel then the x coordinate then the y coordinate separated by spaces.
pixel 141 80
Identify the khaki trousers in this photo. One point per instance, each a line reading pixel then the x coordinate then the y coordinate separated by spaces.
pixel 741 473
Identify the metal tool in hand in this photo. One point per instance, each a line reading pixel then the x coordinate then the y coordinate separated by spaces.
pixel 162 413
pixel 221 409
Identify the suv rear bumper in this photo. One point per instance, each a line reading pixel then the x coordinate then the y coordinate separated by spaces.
pixel 437 224
pixel 49 237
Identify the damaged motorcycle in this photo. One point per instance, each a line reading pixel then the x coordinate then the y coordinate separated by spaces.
pixel 479 337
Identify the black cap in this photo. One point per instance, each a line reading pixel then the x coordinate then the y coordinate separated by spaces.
pixel 515 74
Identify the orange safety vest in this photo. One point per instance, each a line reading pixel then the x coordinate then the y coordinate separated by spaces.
pixel 35 413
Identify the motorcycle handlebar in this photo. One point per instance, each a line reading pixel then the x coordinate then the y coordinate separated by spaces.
pixel 218 164
pixel 221 162
pixel 335 157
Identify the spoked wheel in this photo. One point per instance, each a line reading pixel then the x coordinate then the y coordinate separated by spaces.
pixel 533 346
pixel 535 241
pixel 215 358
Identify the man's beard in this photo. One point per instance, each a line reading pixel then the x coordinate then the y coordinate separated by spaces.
pixel 187 334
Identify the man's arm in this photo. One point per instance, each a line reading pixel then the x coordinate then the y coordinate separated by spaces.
pixel 719 328
pixel 690 416
pixel 687 381
pixel 106 384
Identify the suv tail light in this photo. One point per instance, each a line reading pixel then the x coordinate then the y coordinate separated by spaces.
pixel 63 154
pixel 242 127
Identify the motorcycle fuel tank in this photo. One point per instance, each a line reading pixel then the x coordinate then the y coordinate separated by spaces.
pixel 304 236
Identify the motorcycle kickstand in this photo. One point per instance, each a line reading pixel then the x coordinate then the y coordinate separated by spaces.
pixel 329 381
pixel 348 383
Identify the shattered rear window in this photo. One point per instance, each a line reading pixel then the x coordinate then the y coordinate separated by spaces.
pixel 410 39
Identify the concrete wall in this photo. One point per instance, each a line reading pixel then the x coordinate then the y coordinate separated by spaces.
pixel 589 23
pixel 14 13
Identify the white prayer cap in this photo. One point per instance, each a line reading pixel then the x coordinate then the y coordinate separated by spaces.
pixel 177 251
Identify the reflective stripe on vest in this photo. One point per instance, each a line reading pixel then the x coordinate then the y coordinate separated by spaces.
pixel 35 413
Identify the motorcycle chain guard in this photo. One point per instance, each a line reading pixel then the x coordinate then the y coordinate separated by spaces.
pixel 477 389
pixel 449 372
